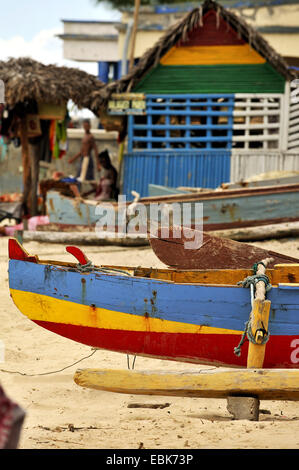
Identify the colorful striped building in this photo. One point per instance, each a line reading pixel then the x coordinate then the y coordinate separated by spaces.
pixel 218 106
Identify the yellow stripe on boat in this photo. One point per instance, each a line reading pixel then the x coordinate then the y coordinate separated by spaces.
pixel 212 55
pixel 39 307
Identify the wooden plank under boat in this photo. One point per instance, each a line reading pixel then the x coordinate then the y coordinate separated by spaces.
pixel 223 209
pixel 191 316
pixel 262 232
pixel 84 238
pixel 216 252
pixel 265 384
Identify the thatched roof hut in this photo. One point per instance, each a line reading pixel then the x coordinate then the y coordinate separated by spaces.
pixel 30 84
pixel 179 32
pixel 27 80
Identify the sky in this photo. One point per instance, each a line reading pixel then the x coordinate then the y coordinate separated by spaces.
pixel 29 28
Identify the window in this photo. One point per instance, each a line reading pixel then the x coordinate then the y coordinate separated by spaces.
pixel 256 121
pixel 207 121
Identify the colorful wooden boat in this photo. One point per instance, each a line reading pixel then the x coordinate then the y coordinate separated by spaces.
pixel 191 316
pixel 213 251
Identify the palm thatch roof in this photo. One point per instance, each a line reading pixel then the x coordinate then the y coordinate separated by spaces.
pixel 27 80
pixel 179 32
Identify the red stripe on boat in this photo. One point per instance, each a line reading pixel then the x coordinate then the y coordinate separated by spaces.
pixel 214 349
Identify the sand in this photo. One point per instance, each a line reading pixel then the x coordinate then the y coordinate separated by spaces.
pixel 62 415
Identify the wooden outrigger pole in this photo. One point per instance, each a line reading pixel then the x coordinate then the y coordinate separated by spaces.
pixel 266 384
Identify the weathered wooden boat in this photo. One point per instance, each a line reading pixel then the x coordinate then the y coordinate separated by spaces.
pixel 191 316
pixel 240 207
pixel 173 249
pixel 274 178
pixel 223 209
pixel 66 210
pixel 73 220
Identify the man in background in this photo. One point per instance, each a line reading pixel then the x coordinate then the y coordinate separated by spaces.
pixel 86 169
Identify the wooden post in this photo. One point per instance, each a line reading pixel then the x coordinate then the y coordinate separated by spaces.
pixel 259 318
pixel 25 163
pixel 259 322
pixel 248 407
pixel 134 34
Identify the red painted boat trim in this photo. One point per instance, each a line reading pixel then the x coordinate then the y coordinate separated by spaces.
pixel 214 349
pixel 78 253
pixel 16 251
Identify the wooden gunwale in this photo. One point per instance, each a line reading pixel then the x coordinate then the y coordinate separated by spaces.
pixel 281 274
pixel 224 194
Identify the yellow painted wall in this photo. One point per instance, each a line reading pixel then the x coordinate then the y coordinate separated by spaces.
pixel 285 15
pixel 144 41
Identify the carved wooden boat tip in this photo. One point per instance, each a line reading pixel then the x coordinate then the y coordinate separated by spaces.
pixel 17 251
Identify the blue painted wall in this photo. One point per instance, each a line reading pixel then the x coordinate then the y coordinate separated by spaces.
pixel 207 169
pixel 189 159
pixel 103 71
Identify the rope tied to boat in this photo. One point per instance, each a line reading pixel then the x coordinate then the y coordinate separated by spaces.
pixel 251 337
pixel 255 266
pixel 88 267
pixel 237 349
pixel 250 282
pixel 85 268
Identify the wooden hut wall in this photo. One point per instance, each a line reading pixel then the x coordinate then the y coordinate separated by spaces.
pixel 211 96
pixel 293 121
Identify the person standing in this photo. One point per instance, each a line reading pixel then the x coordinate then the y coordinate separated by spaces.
pixel 86 169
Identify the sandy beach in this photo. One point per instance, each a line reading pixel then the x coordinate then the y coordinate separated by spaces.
pixel 62 415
